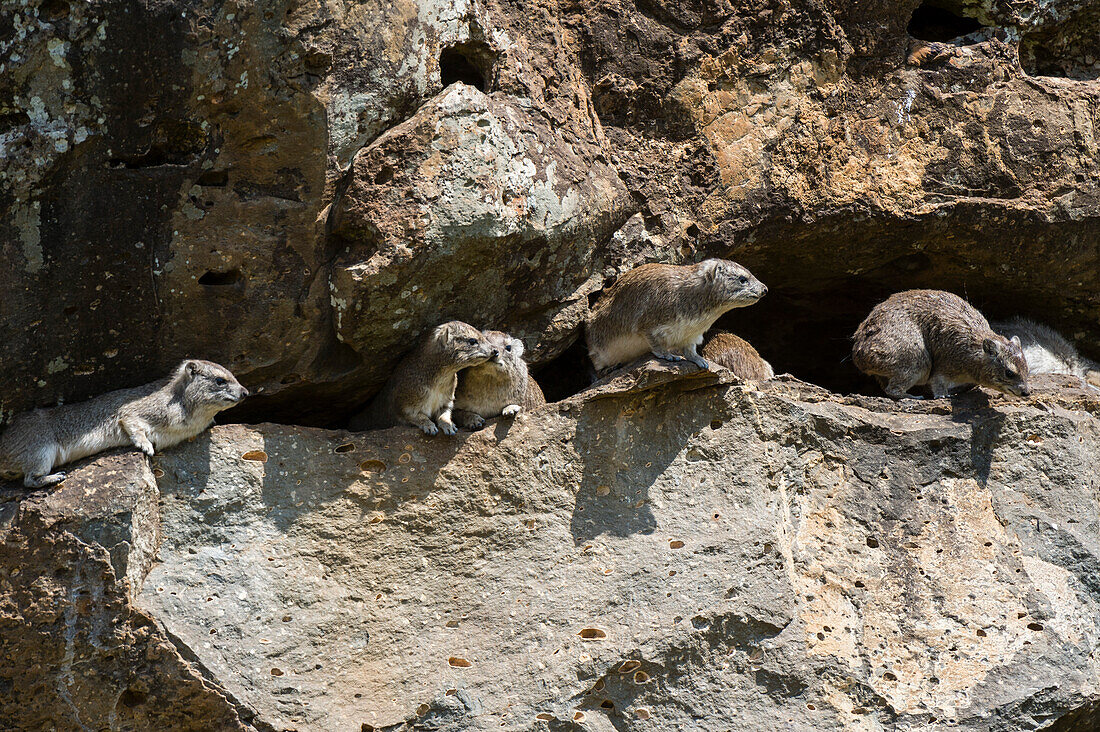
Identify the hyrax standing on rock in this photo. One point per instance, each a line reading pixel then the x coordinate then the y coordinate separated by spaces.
pixel 500 386
pixel 936 338
pixel 1047 351
pixel 150 417
pixel 665 309
pixel 421 390
pixel 737 355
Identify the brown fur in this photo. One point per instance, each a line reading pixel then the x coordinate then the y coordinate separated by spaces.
pixel 500 386
pixel 933 337
pixel 664 309
pixel 922 53
pixel 421 390
pixel 1047 351
pixel 737 355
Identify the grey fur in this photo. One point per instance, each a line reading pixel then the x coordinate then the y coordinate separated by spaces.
pixel 665 309
pixel 736 354
pixel 421 390
pixel 933 337
pixel 1047 351
pixel 500 386
pixel 151 417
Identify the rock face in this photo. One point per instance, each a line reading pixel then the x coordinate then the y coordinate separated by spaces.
pixel 297 189
pixel 665 551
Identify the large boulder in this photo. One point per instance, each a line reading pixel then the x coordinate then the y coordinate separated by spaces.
pixel 666 551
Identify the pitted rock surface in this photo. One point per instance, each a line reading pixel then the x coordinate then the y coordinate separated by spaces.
pixel 668 550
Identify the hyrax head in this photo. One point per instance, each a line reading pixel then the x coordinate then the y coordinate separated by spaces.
pixel 1003 365
pixel 208 383
pixel 464 344
pixel 508 350
pixel 731 282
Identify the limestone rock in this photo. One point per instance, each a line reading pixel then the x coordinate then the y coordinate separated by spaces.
pixel 667 547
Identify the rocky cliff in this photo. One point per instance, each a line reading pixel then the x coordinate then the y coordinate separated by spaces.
pixel 298 188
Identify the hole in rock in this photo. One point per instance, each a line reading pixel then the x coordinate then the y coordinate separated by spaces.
pixel 629 666
pixel 872 542
pixel 228 278
pixel 592 634
pixel 566 375
pixel 607 704
pixel 346 447
pixel 385 175
pixel 214 179
pixel 12 119
pixel 933 21
pixel 470 63
pixel 1068 49
pixel 132 698
pixel 457 662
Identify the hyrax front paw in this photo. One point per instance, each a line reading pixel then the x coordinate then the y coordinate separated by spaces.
pixel 430 428
pixel 511 410
pixel 448 427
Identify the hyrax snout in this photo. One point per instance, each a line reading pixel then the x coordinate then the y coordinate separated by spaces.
pixel 498 387
pixel 936 338
pixel 665 309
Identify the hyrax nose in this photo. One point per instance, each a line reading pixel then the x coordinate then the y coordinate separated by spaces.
pixel 244 392
pixel 495 354
pixel 763 289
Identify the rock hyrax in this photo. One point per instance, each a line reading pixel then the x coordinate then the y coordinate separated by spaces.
pixel 737 355
pixel 150 417
pixel 500 386
pixel 421 390
pixel 665 309
pixel 936 338
pixel 1047 351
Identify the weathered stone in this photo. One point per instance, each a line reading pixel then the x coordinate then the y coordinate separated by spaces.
pixel 74 652
pixel 472 210
pixel 190 191
pixel 712 555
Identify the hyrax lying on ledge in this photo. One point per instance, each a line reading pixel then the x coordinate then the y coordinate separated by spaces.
pixel 737 355
pixel 500 386
pixel 421 390
pixel 1047 351
pixel 665 309
pixel 936 338
pixel 150 417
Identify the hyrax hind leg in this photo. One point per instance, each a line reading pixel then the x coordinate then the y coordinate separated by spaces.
pixel 661 347
pixel 37 473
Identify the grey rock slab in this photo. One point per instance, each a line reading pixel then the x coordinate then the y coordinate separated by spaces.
pixel 667 550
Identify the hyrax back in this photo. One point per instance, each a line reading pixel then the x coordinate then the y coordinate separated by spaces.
pixel 737 355
pixel 665 309
pixel 421 390
pixel 151 417
pixel 933 337
pixel 500 386
pixel 1047 351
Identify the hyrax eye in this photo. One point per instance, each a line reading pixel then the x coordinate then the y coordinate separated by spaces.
pixel 472 341
pixel 220 381
pixel 743 280
pixel 508 347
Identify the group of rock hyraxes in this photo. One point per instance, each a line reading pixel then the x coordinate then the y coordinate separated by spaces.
pixel 458 375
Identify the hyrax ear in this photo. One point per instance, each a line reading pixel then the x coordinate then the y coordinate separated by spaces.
pixel 990 346
pixel 517 348
pixel 1016 342
pixel 189 367
pixel 710 268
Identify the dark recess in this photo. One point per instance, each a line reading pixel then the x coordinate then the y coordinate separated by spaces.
pixel 567 374
pixel 222 279
pixel 470 63
pixel 932 22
